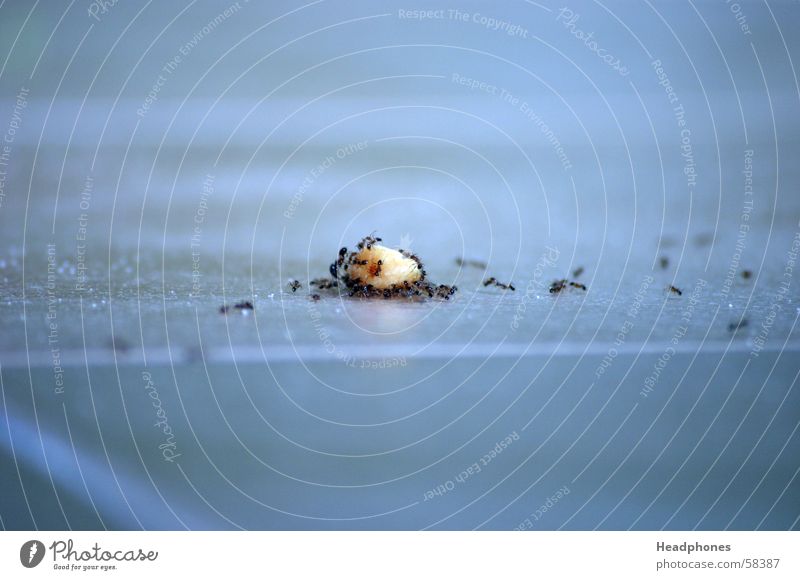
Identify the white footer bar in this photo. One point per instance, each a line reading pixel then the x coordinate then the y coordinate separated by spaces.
pixel 355 555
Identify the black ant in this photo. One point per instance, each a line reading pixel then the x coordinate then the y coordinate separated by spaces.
pixel 733 326
pixel 241 306
pixel 746 274
pixel 474 263
pixel 369 241
pixel 334 268
pixel 559 285
pixel 444 291
pixel 294 285
pixel 675 290
pixel 315 297
pixel 499 284
pixel 324 283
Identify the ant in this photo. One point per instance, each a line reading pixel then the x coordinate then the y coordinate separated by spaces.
pixel 315 297
pixel 474 263
pixel 324 283
pixel 746 274
pixel 241 306
pixel 369 241
pixel 499 284
pixel 334 268
pixel 675 290
pixel 576 273
pixel 294 285
pixel 733 326
pixel 559 285
pixel 444 291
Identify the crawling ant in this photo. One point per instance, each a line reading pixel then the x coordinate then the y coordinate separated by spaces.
pixel 558 285
pixel 315 297
pixel 703 239
pixel 746 274
pixel 334 267
pixel 294 285
pixel 368 241
pixel 576 273
pixel 118 344
pixel 240 306
pixel 444 291
pixel 734 326
pixel 324 283
pixel 675 290
pixel 473 263
pixel 499 284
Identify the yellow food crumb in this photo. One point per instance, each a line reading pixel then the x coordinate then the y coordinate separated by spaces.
pixel 383 267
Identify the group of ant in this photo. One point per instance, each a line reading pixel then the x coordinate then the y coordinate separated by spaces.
pixel 341 268
pixel 421 288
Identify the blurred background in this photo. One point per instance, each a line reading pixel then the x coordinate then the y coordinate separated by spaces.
pixel 159 161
